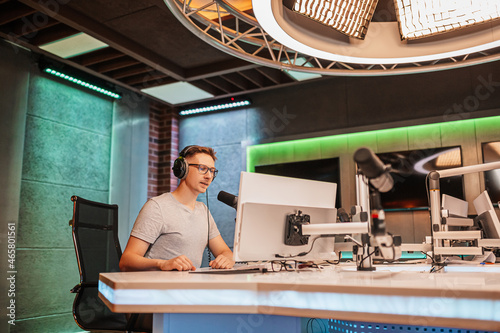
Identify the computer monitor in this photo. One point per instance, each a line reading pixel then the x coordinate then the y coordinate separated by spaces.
pixel 264 201
pixel 455 206
pixel 487 217
pixel 410 169
pixel 491 153
pixel 324 170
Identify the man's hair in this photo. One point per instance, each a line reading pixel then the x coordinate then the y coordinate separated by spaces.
pixel 193 150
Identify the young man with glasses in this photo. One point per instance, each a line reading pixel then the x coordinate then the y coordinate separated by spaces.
pixel 173 229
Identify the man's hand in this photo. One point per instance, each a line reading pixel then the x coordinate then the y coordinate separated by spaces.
pixel 180 263
pixel 222 262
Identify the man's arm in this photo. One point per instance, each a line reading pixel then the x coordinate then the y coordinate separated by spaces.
pixel 133 259
pixel 223 254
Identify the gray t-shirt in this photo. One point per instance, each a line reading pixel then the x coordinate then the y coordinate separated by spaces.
pixel 173 229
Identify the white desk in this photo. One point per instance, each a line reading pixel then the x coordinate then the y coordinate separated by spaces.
pixel 466 297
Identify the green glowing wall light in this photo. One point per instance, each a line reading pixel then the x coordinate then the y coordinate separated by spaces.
pixel 334 145
pixel 82 83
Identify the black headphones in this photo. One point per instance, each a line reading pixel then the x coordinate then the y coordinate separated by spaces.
pixel 181 166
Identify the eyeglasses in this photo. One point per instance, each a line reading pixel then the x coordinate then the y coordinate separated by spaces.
pixel 287 265
pixel 203 169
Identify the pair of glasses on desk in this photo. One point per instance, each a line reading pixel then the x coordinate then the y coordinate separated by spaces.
pixel 267 267
pixel 283 265
pixel 291 265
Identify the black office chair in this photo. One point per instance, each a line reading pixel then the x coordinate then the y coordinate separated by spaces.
pixel 95 236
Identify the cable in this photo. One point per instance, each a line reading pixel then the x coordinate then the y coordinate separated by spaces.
pixel 209 254
pixel 301 254
pixel 434 270
pixel 428 255
pixel 427 189
pixel 333 262
pixel 369 255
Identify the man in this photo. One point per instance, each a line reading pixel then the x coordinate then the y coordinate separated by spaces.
pixel 172 230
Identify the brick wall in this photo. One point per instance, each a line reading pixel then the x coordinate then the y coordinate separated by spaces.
pixel 163 149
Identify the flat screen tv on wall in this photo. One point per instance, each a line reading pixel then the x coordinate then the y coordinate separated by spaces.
pixel 409 171
pixel 326 170
pixel 491 153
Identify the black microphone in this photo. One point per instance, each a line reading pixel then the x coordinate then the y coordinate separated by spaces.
pixel 342 215
pixel 228 199
pixel 373 168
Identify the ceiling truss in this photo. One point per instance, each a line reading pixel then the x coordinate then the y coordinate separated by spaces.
pixel 238 33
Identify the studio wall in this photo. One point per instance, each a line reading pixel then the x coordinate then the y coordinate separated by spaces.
pixel 66 152
pixel 129 160
pixel 14 77
pixel 412 224
pixel 59 141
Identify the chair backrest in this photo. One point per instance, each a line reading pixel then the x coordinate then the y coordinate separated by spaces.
pixel 95 236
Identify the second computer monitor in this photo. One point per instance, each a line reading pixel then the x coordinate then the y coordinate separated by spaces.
pixel 264 201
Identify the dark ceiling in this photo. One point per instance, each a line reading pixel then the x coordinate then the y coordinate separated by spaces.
pixel 148 46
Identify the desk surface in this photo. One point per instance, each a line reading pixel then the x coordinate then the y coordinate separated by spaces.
pixel 460 296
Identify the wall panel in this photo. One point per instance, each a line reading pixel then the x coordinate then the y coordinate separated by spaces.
pixel 392 140
pixel 456 133
pixel 424 136
pixel 128 181
pixel 14 78
pixel 66 152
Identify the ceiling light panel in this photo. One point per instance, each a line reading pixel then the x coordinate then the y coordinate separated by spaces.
pixel 422 18
pixel 177 93
pixel 74 45
pixel 350 17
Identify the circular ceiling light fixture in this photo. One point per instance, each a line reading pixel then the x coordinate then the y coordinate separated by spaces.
pixel 382 43
pixel 272 34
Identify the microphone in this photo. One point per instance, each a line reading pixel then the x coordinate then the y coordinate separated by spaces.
pixel 373 168
pixel 228 198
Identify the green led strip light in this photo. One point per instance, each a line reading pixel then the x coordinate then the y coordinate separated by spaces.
pixel 82 83
pixel 224 106
pixel 335 145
